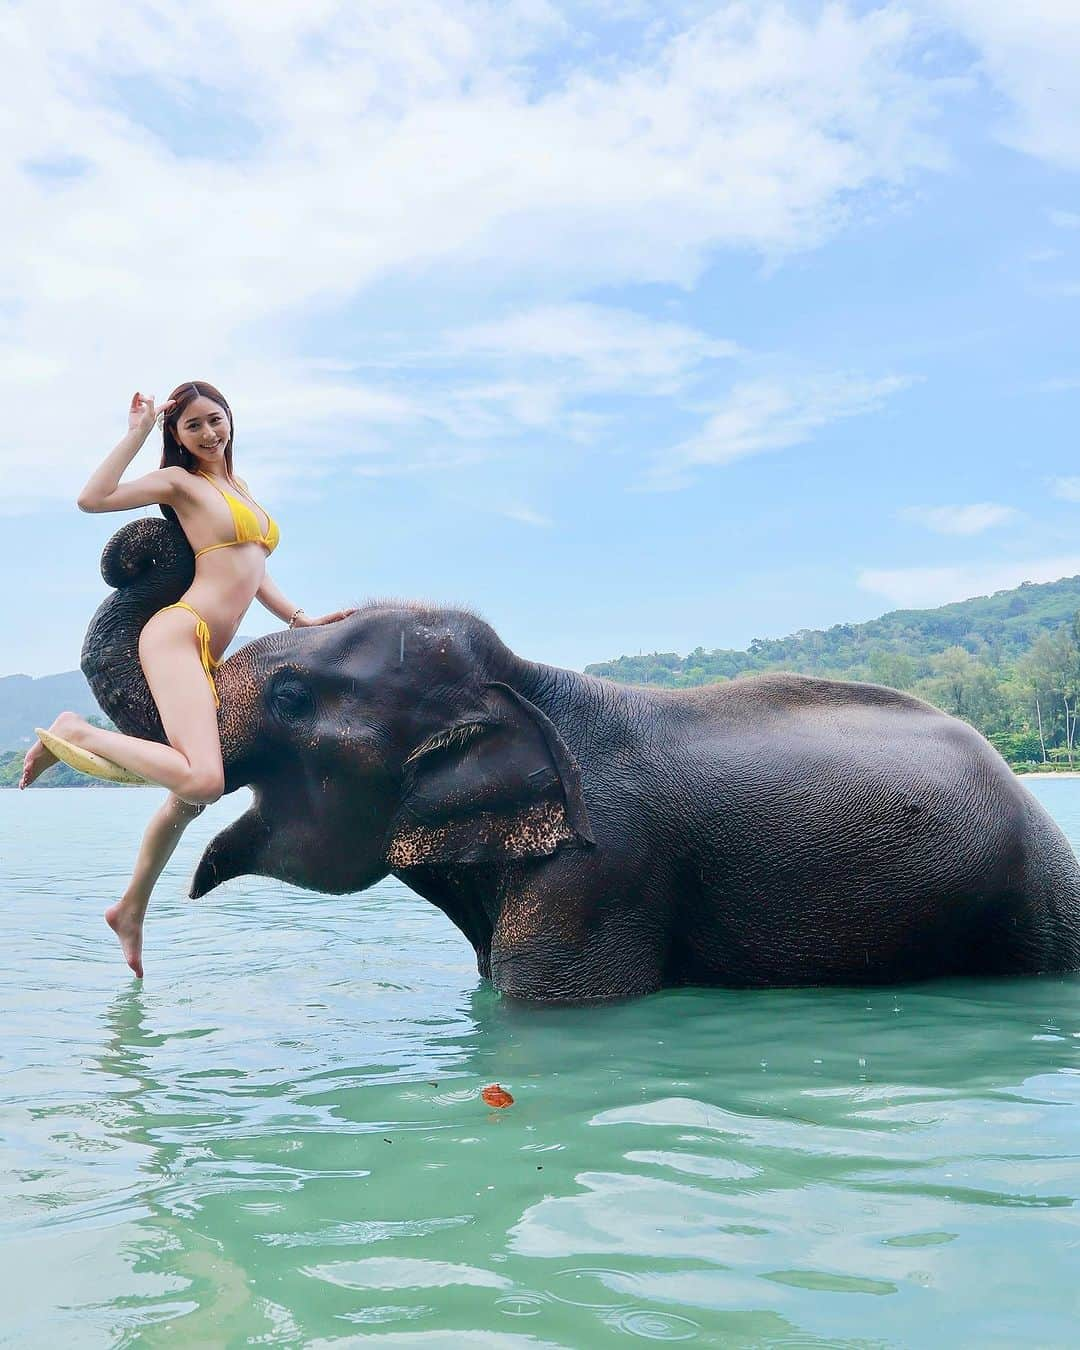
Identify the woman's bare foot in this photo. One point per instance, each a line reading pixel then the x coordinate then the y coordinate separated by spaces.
pixel 38 759
pixel 35 763
pixel 127 923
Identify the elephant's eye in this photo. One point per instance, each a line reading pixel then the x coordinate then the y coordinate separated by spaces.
pixel 291 699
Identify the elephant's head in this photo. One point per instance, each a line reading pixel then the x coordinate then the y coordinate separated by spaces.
pixel 397 738
pixel 388 741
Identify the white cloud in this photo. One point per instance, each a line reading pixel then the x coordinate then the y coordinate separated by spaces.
pixel 551 359
pixel 972 519
pixel 598 347
pixel 1030 52
pixel 203 206
pixel 525 515
pixel 772 414
pixel 1065 220
pixel 423 466
pixel 921 587
pixel 1068 489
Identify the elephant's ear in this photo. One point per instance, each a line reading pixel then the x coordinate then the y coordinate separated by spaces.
pixel 501 784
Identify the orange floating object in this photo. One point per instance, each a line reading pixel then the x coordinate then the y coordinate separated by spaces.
pixel 497 1096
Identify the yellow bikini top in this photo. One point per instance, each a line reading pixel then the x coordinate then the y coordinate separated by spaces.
pixel 244 522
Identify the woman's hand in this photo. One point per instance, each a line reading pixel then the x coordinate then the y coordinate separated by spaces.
pixel 142 414
pixel 302 620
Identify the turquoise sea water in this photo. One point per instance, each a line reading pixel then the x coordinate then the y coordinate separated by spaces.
pixel 277 1139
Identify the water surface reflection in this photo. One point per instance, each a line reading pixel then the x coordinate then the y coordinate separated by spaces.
pixel 279 1140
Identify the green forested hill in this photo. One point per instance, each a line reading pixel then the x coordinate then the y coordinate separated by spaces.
pixel 997 628
pixel 1008 663
pixel 26 703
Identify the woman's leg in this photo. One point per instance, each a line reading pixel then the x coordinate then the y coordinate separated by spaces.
pixel 190 765
pixel 162 835
pixel 169 655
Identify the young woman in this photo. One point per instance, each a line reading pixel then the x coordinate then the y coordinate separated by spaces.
pixel 181 645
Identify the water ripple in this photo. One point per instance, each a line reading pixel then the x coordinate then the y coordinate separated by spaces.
pixel 217 1156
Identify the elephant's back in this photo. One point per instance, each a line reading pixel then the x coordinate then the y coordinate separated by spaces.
pixel 1053 879
pixel 778 692
pixel 850 825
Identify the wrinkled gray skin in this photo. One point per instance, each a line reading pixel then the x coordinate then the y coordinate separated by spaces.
pixel 593 840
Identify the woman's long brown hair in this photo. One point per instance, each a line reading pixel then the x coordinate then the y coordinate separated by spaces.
pixel 172 452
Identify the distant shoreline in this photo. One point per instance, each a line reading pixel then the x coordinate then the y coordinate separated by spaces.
pixel 1039 773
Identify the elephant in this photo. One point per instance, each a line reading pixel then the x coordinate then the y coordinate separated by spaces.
pixel 594 840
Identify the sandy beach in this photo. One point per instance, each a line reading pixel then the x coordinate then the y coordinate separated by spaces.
pixel 1039 773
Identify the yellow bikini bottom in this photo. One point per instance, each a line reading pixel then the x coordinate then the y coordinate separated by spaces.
pixel 202 636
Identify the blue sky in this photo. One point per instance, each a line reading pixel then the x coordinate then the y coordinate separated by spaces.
pixel 629 333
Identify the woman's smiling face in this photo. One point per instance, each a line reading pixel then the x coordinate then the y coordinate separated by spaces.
pixel 203 430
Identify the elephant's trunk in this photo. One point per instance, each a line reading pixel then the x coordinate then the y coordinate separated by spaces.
pixel 150 564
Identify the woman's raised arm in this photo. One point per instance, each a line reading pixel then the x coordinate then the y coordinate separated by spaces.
pixel 105 492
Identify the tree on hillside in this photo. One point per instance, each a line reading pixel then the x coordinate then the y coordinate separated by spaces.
pixel 896 669
pixel 1034 683
pixel 1053 668
pixel 967 688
